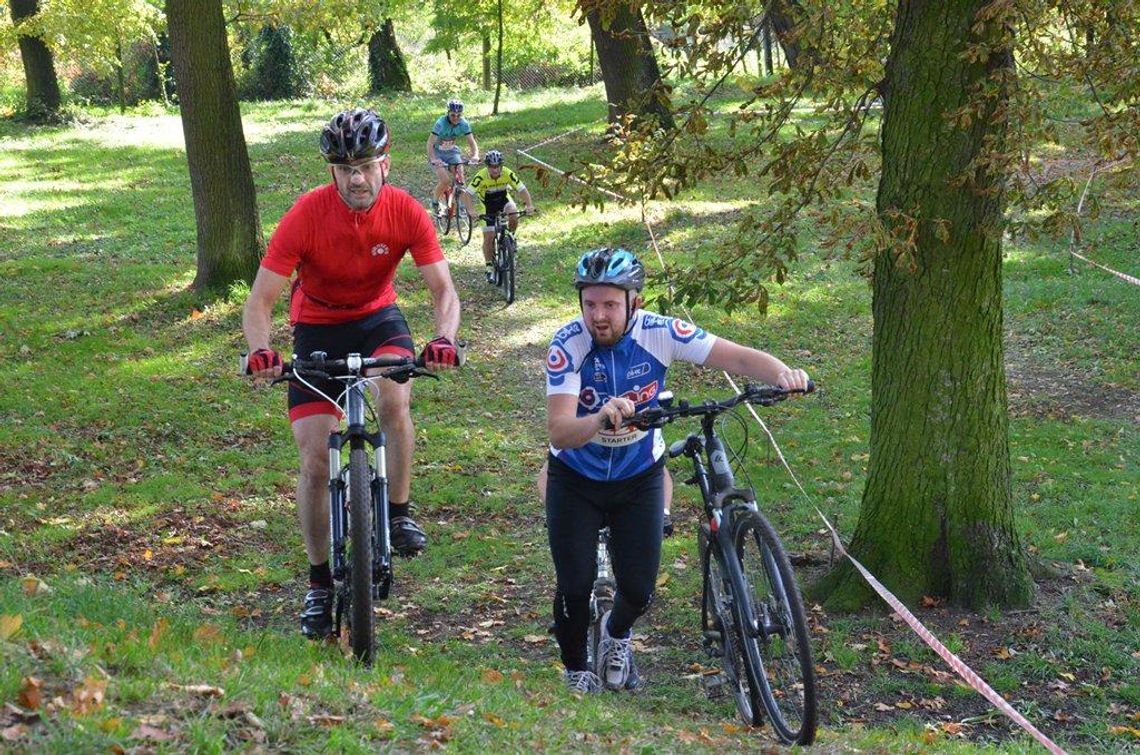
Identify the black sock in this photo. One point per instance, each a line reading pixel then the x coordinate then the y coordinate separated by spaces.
pixel 398 509
pixel 320 576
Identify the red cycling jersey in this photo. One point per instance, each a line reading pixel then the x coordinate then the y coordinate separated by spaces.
pixel 346 260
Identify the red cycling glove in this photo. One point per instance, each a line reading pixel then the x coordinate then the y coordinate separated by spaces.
pixel 441 351
pixel 263 359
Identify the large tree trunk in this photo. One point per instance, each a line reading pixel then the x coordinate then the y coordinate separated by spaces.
pixel 786 18
pixel 225 203
pixel 499 63
pixel 629 68
pixel 387 71
pixel 486 60
pixel 937 515
pixel 42 98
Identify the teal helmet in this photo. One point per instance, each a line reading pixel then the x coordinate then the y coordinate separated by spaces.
pixel 610 267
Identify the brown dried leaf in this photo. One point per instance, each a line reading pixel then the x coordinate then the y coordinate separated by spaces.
pixel 31 695
pixel 201 690
pixel 9 625
pixel 157 631
pixel 88 697
pixel 150 733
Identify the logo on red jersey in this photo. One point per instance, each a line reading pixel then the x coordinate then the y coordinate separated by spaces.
pixel 380 250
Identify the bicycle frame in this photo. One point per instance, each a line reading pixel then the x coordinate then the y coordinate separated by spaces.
pixel 722 499
pixel 357 436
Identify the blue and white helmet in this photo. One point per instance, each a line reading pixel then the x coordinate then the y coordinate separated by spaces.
pixel 610 267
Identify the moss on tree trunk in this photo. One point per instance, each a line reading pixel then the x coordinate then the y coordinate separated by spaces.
pixel 937 515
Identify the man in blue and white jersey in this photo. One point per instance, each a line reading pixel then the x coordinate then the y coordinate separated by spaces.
pixel 443 149
pixel 603 366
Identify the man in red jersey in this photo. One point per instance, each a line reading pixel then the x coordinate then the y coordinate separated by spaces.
pixel 344 240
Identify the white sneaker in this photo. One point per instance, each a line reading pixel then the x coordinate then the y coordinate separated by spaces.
pixel 616 668
pixel 583 682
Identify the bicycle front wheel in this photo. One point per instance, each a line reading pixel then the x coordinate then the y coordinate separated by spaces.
pixel 463 222
pixel 779 638
pixel 719 622
pixel 509 250
pixel 361 630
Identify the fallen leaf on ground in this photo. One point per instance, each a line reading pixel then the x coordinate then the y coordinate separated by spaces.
pixel 202 690
pixel 9 625
pixel 31 695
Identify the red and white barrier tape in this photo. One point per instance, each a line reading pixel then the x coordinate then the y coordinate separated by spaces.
pixel 562 173
pixel 957 664
pixel 1074 238
pixel 1123 276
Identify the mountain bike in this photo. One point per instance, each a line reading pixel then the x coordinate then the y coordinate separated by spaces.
pixel 454 211
pixel 360 551
pixel 752 615
pixel 506 251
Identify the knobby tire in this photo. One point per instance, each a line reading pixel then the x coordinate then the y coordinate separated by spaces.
pixel 787 676
pixel 718 615
pixel 361 630
pixel 463 222
pixel 509 250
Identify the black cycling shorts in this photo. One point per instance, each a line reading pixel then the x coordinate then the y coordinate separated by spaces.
pixel 382 332
pixel 493 204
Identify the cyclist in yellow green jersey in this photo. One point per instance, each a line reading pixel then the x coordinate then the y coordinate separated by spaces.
pixel 493 185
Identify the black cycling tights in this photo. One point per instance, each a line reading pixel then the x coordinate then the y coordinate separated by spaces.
pixel 576 508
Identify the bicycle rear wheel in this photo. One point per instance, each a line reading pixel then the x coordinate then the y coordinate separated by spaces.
pixel 717 618
pixel 361 630
pixel 781 640
pixel 601 602
pixel 508 274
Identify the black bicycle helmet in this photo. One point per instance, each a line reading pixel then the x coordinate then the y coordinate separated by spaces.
pixel 353 135
pixel 455 106
pixel 493 157
pixel 610 267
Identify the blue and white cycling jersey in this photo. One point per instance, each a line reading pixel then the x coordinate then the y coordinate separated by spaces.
pixel 635 368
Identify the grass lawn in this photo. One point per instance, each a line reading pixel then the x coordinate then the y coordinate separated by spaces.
pixel 150 564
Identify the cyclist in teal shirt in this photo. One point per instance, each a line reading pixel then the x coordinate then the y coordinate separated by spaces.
pixel 443 150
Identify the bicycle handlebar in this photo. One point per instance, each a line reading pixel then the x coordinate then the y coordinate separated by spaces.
pixel 491 218
pixel 320 366
pixel 659 416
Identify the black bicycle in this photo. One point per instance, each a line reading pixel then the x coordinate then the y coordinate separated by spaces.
pixel 360 546
pixel 506 251
pixel 752 615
